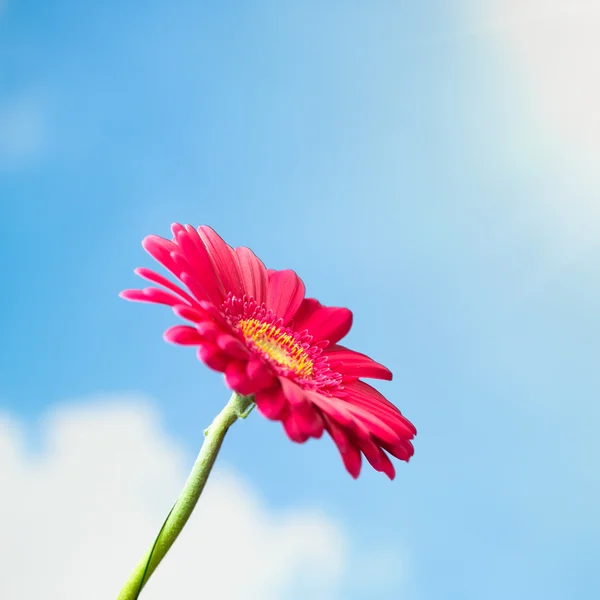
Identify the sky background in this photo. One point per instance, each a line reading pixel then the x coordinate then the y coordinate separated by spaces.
pixel 430 165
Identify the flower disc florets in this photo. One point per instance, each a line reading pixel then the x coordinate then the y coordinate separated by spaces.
pixel 291 353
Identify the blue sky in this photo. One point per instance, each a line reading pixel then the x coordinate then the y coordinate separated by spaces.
pixel 392 155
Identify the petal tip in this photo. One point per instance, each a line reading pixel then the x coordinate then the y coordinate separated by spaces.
pixel 131 295
pixel 148 240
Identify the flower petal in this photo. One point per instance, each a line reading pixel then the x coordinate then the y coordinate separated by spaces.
pixel 349 451
pixel 237 378
pixel 306 416
pixel 232 346
pixel 209 330
pixel 223 259
pixel 156 278
pixel 403 450
pixel 254 274
pixel 359 420
pixel 293 429
pixel 272 403
pixel 196 315
pixel 261 375
pixel 326 323
pixel 202 267
pixel 285 294
pixel 213 356
pixel 161 250
pixel 153 295
pixel 182 334
pixel 307 307
pixel 362 394
pixel 377 458
pixel 353 365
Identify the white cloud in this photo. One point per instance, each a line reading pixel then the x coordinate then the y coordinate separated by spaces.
pixel 79 513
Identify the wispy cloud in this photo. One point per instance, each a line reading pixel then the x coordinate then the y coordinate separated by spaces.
pixel 85 508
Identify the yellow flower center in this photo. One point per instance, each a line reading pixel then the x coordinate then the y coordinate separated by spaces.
pixel 278 345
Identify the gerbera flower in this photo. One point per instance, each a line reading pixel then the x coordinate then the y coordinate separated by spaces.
pixel 255 325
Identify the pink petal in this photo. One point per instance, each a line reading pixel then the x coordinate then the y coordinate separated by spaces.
pixel 182 334
pixel 261 375
pixel 196 315
pixel 402 450
pixel 202 268
pixel 134 295
pixel 189 277
pixel 272 403
pixel 237 379
pixel 285 294
pixel 357 419
pixel 195 287
pixel 328 323
pixel 254 274
pixel 354 364
pixel 232 346
pixel 214 312
pixel 366 396
pixel 160 249
pixel 377 426
pixel 156 278
pixel 212 356
pixel 293 392
pixel 377 458
pixel 208 330
pixel 307 307
pixel 293 429
pixel 335 409
pixel 151 295
pixel 223 259
pixel 307 419
pixel 176 228
pixel 348 450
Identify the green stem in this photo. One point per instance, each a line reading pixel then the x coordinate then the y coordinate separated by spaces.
pixel 238 406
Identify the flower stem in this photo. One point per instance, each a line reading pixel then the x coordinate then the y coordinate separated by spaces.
pixel 237 407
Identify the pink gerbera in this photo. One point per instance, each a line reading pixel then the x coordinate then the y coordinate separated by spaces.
pixel 255 325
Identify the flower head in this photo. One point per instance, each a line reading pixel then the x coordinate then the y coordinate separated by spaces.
pixel 255 325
